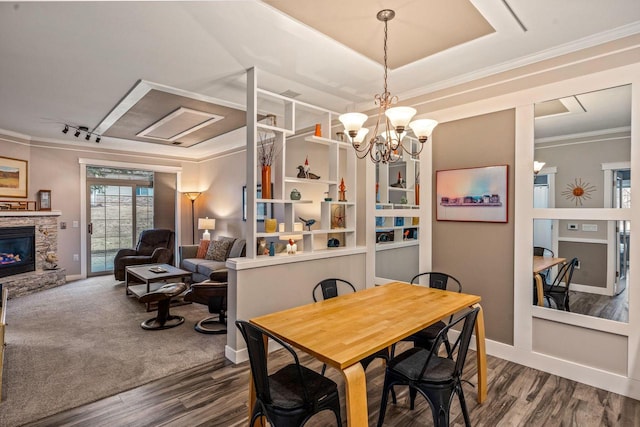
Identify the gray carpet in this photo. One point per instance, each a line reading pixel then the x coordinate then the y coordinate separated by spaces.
pixel 80 342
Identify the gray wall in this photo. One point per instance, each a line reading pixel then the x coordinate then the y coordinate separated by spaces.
pixel 593 262
pixel 480 255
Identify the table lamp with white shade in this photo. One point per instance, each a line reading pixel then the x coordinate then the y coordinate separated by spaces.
pixel 206 224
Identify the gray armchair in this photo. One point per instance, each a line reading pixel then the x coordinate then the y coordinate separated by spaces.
pixel 154 246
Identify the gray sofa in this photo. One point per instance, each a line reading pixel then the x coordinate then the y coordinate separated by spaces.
pixel 206 269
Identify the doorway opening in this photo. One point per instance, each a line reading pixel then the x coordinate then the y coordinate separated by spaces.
pixel 120 205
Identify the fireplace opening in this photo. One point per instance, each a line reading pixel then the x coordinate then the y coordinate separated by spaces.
pixel 17 250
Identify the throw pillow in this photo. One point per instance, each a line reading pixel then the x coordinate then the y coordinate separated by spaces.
pixel 231 240
pixel 202 248
pixel 218 250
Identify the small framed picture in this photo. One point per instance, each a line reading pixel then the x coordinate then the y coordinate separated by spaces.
pixel 263 210
pixel 13 177
pixel 44 200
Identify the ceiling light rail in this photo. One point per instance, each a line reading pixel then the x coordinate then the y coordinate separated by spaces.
pixel 81 129
pixel 386 144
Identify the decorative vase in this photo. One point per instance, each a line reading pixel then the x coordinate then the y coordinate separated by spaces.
pixel 266 182
pixel 272 249
pixel 270 225
pixel 318 131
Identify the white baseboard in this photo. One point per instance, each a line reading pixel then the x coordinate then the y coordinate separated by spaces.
pixel 236 356
pixel 591 289
pixel 563 368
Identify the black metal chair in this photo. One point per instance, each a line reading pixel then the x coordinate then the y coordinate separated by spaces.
pixel 556 295
pixel 426 337
pixel 542 251
pixel 329 288
pixel 290 396
pixel 434 377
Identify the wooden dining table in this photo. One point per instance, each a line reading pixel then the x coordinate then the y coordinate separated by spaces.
pixel 344 330
pixel 540 264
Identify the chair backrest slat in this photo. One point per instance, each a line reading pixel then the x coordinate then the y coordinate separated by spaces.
pixel 329 288
pixel 257 358
pixel 438 280
pixel 542 251
pixel 461 343
pixel 565 274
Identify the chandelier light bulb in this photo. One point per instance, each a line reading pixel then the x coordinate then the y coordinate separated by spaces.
pixel 537 167
pixel 400 117
pixel 360 136
pixel 352 122
pixel 423 128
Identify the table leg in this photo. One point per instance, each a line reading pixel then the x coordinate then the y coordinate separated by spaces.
pixel 126 282
pixel 356 390
pixel 481 355
pixel 539 289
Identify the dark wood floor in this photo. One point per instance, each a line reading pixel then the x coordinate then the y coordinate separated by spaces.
pixel 606 307
pixel 216 395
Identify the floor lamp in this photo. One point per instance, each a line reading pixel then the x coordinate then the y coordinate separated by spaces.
pixel 193 195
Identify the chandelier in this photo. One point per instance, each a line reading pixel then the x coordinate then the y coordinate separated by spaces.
pixel 386 145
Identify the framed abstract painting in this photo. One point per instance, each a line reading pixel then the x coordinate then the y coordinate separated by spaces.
pixel 472 194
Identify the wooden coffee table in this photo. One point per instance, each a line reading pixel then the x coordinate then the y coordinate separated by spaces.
pixel 153 276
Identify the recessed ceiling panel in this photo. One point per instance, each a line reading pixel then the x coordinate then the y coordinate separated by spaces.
pixel 167 118
pixel 413 34
pixel 180 123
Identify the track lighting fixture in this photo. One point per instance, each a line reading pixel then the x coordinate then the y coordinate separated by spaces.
pixel 80 130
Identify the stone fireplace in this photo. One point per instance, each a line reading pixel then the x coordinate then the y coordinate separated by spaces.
pixel 29 235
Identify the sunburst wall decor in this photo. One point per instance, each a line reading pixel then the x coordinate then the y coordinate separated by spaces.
pixel 578 190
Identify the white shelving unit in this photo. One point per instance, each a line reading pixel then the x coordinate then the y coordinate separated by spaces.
pixel 290 125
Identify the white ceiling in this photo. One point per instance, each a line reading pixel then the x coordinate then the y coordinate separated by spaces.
pixel 72 62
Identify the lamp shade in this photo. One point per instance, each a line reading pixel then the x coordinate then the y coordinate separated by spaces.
pixel 192 195
pixel 400 116
pixel 352 122
pixel 537 166
pixel 423 128
pixel 206 224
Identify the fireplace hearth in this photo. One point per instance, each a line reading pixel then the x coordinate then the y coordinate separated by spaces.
pixel 17 250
